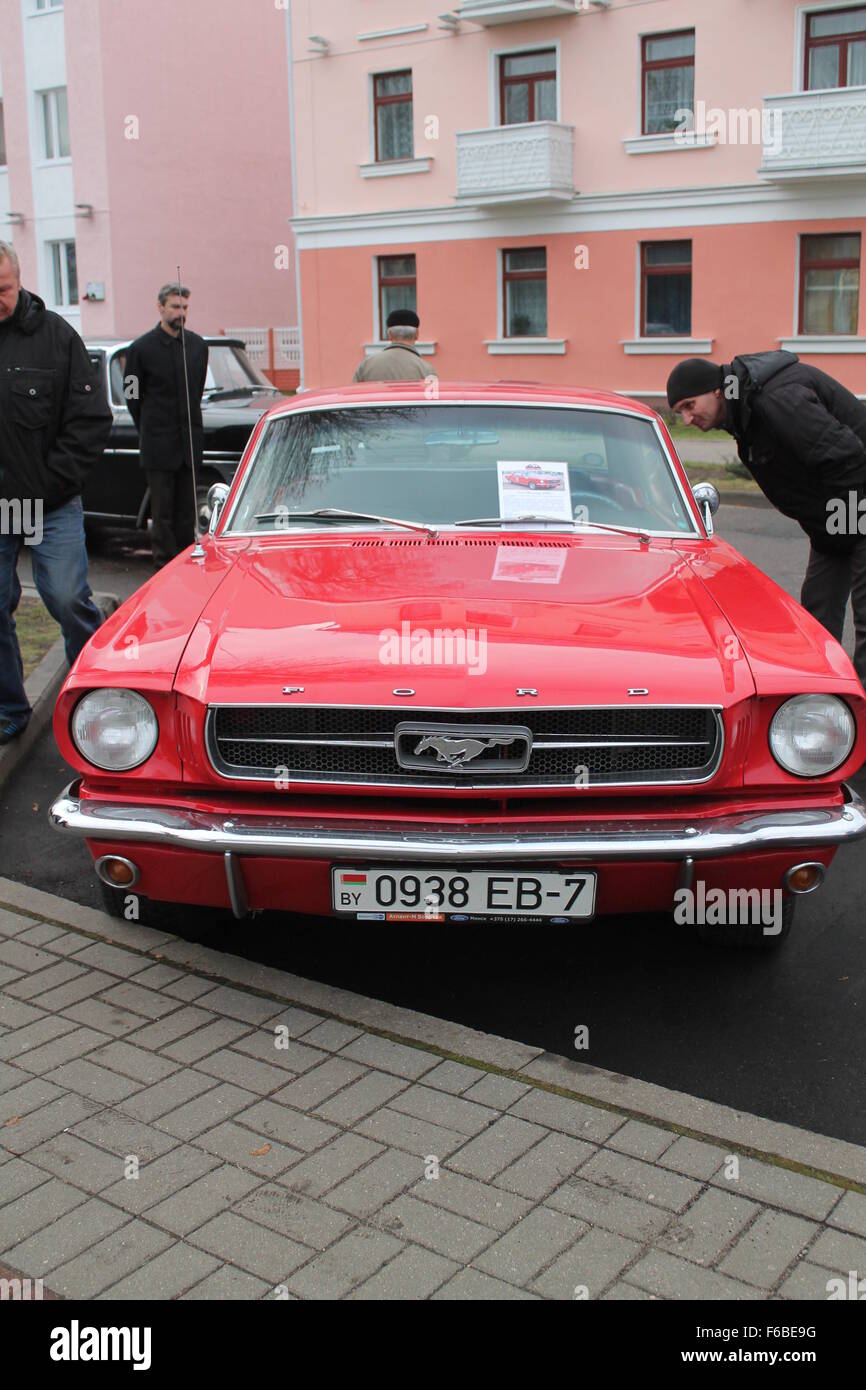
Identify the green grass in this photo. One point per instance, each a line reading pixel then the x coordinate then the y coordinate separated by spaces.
pixel 717 473
pixel 36 630
pixel 680 431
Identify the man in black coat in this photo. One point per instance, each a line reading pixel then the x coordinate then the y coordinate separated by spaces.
pixel 802 435
pixel 156 395
pixel 54 424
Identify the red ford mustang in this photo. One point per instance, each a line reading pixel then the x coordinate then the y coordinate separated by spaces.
pixel 533 476
pixel 374 696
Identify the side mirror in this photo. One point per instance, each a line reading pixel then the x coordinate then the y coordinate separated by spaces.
pixel 216 496
pixel 707 497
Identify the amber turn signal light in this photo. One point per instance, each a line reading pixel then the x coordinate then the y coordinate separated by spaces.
pixel 804 878
pixel 116 871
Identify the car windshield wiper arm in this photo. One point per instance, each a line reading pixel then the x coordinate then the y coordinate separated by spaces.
pixel 510 520
pixel 556 521
pixel 337 514
pixel 621 530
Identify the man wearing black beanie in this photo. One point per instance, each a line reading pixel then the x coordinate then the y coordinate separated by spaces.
pixel 400 360
pixel 802 435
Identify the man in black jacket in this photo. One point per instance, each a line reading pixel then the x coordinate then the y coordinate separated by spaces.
pixel 156 395
pixel 54 425
pixel 802 435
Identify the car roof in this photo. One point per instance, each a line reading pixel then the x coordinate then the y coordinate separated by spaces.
pixel 109 344
pixel 465 392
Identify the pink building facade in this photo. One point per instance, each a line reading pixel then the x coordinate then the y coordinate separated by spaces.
pixel 581 191
pixel 140 136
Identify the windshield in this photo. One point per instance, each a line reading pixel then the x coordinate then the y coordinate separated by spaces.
pixel 228 369
pixel 446 464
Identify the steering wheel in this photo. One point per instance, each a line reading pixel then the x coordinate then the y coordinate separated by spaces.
pixel 599 497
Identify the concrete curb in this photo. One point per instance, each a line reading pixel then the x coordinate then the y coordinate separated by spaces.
pixel 834 1161
pixel 42 687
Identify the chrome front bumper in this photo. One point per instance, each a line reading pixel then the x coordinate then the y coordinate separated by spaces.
pixel 178 827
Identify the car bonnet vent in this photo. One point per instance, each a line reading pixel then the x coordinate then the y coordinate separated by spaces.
pixel 464 543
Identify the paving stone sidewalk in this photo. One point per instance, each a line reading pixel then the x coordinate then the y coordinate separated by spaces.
pixel 179 1123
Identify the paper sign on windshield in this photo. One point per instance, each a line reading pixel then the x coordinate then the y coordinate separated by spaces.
pixel 534 489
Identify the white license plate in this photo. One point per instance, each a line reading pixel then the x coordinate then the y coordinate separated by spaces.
pixel 422 894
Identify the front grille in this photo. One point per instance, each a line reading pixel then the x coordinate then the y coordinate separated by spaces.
pixel 648 746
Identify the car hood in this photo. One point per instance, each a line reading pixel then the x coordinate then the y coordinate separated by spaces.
pixel 351 619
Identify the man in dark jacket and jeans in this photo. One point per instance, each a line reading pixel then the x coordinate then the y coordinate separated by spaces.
pixel 54 425
pixel 802 435
pixel 155 389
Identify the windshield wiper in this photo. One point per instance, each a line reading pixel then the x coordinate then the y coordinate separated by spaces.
pixel 337 514
pixel 510 520
pixel 555 521
pixel 237 390
pixel 642 536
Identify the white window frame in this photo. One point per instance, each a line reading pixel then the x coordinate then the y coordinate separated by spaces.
pixel 48 109
pixel 493 74
pixel 64 302
pixel 41 7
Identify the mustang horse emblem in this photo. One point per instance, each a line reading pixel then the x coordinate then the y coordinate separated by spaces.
pixel 457 751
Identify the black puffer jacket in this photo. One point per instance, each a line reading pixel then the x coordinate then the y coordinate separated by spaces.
pixel 54 417
pixel 802 435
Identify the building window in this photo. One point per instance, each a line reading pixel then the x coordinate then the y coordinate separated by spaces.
pixel 829 283
pixel 836 49
pixel 668 80
pixel 666 289
pixel 392 102
pixel 49 4
pixel 527 87
pixel 397 287
pixel 64 273
pixel 524 293
pixel 55 124
pixel 2 138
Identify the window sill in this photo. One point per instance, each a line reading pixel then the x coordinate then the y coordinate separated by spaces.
pixel 829 342
pixel 525 347
pixel 58 163
pixel 666 347
pixel 425 349
pixel 669 140
pixel 384 167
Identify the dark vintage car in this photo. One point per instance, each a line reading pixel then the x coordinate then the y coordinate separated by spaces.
pixel 236 395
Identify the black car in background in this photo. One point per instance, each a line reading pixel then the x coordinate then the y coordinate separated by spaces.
pixel 236 395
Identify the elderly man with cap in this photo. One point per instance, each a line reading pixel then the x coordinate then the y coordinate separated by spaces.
pixel 400 360
pixel 802 435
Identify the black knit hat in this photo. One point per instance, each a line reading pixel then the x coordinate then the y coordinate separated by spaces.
pixel 694 377
pixel 402 318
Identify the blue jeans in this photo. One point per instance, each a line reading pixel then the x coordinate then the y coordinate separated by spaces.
pixel 60 575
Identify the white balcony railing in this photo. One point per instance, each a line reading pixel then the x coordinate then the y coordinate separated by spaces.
pixel 810 135
pixel 271 349
pixel 530 162
pixel 511 11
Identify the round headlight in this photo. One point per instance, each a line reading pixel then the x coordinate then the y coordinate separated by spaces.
pixel 114 729
pixel 812 734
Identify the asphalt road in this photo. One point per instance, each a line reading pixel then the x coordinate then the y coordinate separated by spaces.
pixel 780 1035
